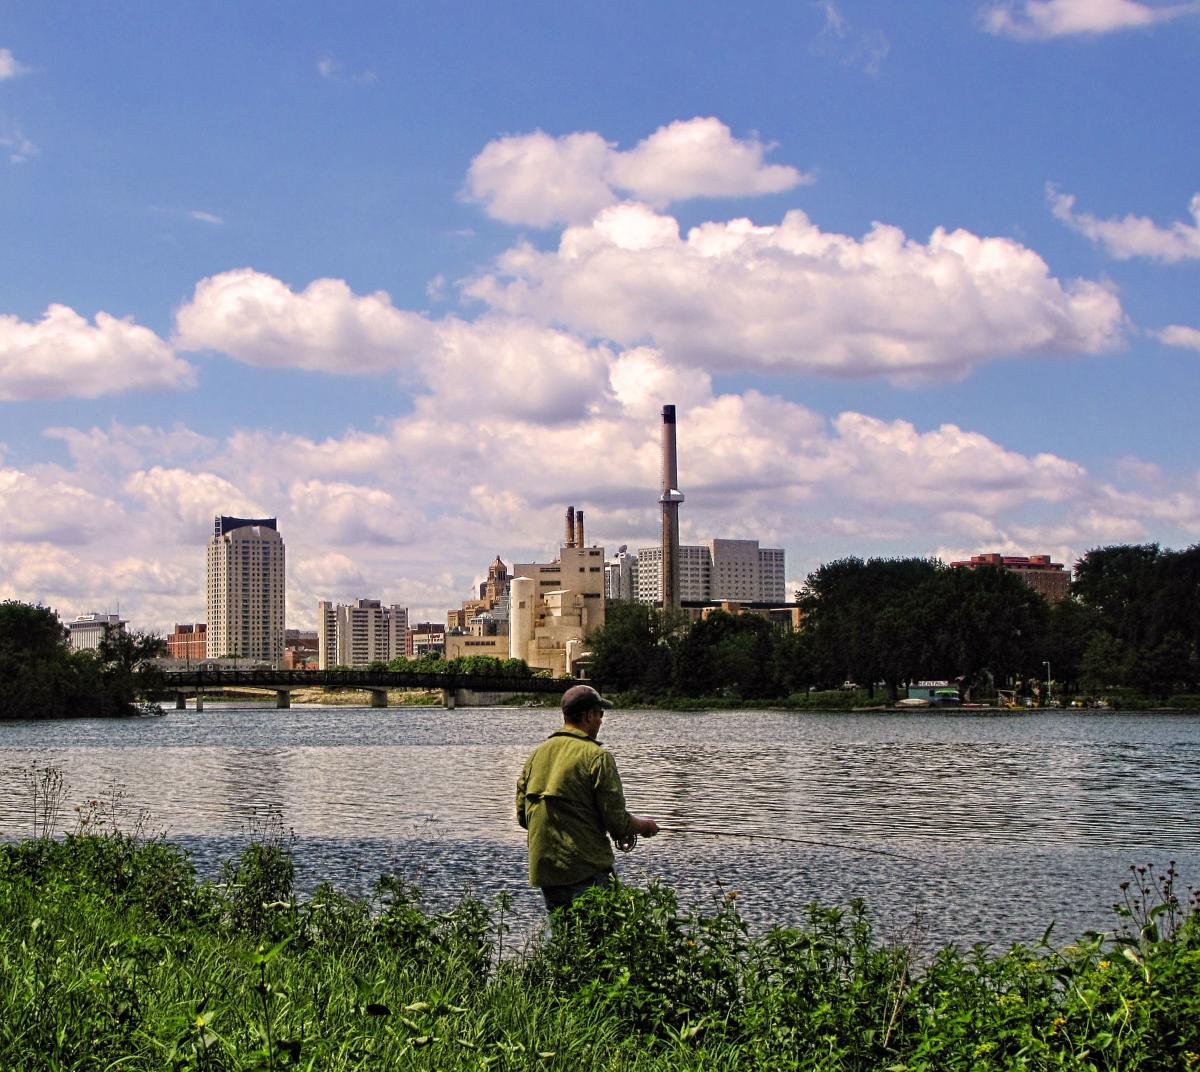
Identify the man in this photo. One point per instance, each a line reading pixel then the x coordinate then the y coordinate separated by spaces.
pixel 570 800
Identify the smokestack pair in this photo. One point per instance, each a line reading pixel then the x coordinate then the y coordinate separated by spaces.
pixel 574 532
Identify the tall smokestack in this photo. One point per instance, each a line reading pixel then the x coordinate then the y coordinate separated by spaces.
pixel 569 538
pixel 579 542
pixel 670 498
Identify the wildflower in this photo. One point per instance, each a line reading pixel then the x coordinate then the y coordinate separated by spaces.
pixel 1191 1058
pixel 1105 965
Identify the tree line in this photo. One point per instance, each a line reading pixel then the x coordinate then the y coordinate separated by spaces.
pixel 41 677
pixel 1131 621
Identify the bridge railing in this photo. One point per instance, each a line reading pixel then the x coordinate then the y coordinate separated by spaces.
pixel 214 677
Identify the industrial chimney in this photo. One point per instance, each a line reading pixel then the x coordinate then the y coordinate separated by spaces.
pixel 569 539
pixel 579 542
pixel 670 498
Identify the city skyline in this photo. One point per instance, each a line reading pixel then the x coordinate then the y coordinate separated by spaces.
pixel 920 282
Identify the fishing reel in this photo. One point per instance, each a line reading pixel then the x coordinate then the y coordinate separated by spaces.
pixel 626 844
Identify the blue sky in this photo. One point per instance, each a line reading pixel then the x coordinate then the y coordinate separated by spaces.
pixel 922 279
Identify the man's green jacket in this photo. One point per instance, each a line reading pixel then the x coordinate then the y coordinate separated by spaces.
pixel 569 798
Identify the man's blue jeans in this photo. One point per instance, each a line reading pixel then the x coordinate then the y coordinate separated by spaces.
pixel 561 896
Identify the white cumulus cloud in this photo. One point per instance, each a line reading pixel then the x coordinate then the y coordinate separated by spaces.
pixel 515 368
pixel 9 65
pixel 1180 335
pixel 1132 236
pixel 65 356
pixel 1041 20
pixel 540 180
pixel 792 298
pixel 187 500
pixel 259 320
pixel 414 510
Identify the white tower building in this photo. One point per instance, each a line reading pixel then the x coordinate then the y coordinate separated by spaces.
pixel 246 589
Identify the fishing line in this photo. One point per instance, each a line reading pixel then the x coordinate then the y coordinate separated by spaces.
pixel 702 831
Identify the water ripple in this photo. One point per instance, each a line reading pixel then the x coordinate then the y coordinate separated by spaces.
pixel 998 823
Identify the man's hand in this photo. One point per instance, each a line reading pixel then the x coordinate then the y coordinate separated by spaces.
pixel 645 827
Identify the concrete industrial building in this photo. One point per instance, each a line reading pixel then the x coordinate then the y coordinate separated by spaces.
pixel 553 606
pixel 246 590
pixel 86 631
pixel 359 633
pixel 1050 579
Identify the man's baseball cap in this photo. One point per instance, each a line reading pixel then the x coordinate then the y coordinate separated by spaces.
pixel 580 698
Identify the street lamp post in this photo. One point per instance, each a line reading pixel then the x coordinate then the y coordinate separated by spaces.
pixel 1047 666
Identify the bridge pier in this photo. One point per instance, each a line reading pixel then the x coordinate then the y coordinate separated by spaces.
pixel 181 701
pixel 379 698
pixel 199 702
pixel 448 699
pixel 283 699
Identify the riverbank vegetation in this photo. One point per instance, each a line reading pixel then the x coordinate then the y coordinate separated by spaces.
pixel 117 957
pixel 1129 632
pixel 41 677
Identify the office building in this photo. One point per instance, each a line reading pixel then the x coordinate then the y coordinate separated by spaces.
pixel 188 643
pixel 86 631
pixel 246 590
pixel 737 571
pixel 425 638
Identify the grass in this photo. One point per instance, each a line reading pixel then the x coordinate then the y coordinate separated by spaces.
pixel 115 956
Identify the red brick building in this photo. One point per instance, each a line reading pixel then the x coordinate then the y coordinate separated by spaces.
pixel 187 642
pixel 1049 579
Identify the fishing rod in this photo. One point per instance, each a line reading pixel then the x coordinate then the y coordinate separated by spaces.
pixel 704 831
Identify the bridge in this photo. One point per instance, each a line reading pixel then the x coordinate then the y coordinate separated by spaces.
pixel 456 689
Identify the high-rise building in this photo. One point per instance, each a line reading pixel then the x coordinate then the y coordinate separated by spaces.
pixel 360 633
pixel 694 573
pixel 736 571
pixel 246 589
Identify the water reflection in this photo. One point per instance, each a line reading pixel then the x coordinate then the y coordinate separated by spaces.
pixel 998 824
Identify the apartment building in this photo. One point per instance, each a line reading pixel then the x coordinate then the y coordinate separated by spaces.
pixel 359 633
pixel 246 594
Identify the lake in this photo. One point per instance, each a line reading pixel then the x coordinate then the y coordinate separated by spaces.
pixel 952 826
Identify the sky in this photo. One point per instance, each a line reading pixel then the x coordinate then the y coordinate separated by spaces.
pixel 921 279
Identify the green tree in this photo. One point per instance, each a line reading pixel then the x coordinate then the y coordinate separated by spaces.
pixel 1071 627
pixel 632 651
pixel 37 679
pixel 864 619
pixel 728 654
pixel 992 622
